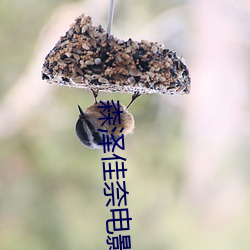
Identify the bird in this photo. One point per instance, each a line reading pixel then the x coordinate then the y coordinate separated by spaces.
pixel 90 126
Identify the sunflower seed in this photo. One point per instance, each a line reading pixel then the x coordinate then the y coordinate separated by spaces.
pixel 88 62
pixel 77 57
pixel 154 49
pixel 77 79
pixel 77 29
pixel 150 74
pixel 134 72
pixel 69 60
pixel 61 62
pixel 145 42
pixel 95 76
pixel 144 78
pixel 68 54
pixel 103 80
pixel 78 70
pixel 131 80
pixel 85 46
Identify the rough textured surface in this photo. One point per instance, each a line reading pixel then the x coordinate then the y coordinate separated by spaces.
pixel 87 57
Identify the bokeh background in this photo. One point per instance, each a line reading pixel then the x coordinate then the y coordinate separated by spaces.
pixel 188 160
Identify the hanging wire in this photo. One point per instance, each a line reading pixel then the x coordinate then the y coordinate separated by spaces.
pixel 110 16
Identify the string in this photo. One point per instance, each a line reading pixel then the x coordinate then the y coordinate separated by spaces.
pixel 110 16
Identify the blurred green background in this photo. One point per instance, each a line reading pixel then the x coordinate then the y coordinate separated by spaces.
pixel 188 159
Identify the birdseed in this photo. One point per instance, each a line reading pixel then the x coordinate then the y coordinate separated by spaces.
pixel 88 57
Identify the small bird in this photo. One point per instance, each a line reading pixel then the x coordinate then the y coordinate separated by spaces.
pixel 89 122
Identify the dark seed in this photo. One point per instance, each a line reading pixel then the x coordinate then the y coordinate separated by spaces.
pixel 45 77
